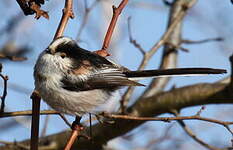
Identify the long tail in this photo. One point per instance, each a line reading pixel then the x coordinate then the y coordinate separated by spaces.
pixel 173 72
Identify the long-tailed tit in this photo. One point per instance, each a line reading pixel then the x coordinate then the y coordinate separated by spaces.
pixel 75 81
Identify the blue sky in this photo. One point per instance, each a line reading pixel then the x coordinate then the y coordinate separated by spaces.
pixel 205 20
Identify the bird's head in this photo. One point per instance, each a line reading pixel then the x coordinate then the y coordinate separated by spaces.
pixel 57 56
pixel 61 44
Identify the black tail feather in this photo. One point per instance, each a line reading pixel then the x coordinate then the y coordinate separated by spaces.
pixel 173 72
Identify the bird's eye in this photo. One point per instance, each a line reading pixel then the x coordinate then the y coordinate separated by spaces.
pixel 63 55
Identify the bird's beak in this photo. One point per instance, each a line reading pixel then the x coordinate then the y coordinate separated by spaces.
pixel 48 51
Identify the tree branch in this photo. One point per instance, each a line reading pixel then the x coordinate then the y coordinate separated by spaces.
pixel 36 99
pixel 116 12
pixel 176 99
pixel 171 35
pixel 178 10
pixel 67 13
pixel 217 39
pixel 4 93
pixel 193 136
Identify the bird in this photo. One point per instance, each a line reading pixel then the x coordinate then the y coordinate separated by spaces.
pixel 75 81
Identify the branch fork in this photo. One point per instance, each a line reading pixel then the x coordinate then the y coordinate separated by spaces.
pixel 77 128
pixel 69 12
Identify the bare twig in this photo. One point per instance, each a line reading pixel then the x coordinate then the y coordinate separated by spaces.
pixel 147 55
pixel 125 98
pixel 76 130
pixel 23 146
pixel 87 11
pixel 132 40
pixel 173 36
pixel 191 134
pixel 166 119
pixel 125 117
pixel 65 120
pixel 18 145
pixel 200 111
pixel 67 13
pixel 27 113
pixel 217 39
pixel 188 96
pixel 194 137
pixel 116 12
pixel 12 52
pixel 12 58
pixel 44 129
pixel 166 135
pixel 4 93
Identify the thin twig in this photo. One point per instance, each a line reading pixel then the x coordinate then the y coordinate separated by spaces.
pixel 27 113
pixel 166 119
pixel 125 98
pixel 166 136
pixel 116 12
pixel 132 40
pixel 22 146
pixel 194 137
pixel 67 13
pixel 87 11
pixel 65 120
pixel 147 55
pixel 44 129
pixel 114 116
pixel 19 145
pixel 191 134
pixel 169 59
pixel 164 38
pixel 4 94
pixel 186 41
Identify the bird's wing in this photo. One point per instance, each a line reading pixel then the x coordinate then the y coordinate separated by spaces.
pixel 104 78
